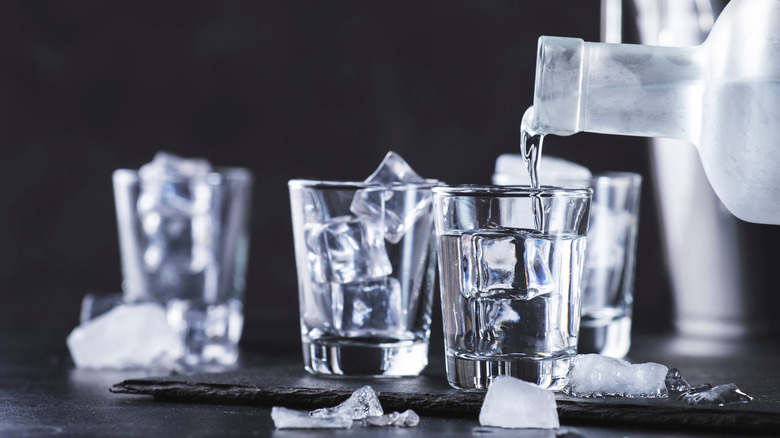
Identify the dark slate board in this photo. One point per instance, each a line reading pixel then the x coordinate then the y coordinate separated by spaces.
pixel 287 384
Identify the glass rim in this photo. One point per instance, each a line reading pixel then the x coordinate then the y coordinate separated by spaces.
pixel 610 177
pixel 324 184
pixel 494 191
pixel 618 177
pixel 217 175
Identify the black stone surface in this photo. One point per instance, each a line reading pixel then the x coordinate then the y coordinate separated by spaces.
pixel 42 395
pixel 287 384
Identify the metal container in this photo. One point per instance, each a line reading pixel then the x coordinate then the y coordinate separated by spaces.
pixel 719 267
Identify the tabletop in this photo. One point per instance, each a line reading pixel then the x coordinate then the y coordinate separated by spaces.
pixel 43 394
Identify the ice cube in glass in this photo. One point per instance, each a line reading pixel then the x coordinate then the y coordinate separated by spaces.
pixel 353 249
pixel 508 262
pixel 367 308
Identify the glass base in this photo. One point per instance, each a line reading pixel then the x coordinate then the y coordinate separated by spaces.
pixel 477 374
pixel 344 357
pixel 609 338
pixel 209 331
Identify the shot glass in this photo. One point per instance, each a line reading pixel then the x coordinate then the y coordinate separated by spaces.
pixel 184 244
pixel 365 269
pixel 510 268
pixel 608 284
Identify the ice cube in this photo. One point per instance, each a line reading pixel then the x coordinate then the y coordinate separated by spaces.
pixel 352 248
pixel 371 307
pixel 294 419
pixel 361 404
pixel 128 336
pixel 167 166
pixel 514 403
pixel 173 184
pixel 393 169
pixel 593 375
pixel 96 304
pixel 408 418
pixel 510 262
pixel 675 383
pixel 511 170
pixel 506 324
pixel 178 222
pixel 397 208
pixel 719 395
pixel 392 202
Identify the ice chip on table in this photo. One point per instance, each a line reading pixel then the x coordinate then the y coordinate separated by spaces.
pixel 128 336
pixel 514 403
pixel 593 375
pixel 408 418
pixel 391 202
pixel 367 307
pixel 96 304
pixel 294 419
pixel 507 261
pixel 511 170
pixel 719 395
pixel 675 383
pixel 352 248
pixel 361 404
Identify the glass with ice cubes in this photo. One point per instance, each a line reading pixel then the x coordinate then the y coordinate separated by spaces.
pixel 183 235
pixel 510 269
pixel 365 271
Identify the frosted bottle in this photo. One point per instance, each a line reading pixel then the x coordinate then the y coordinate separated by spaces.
pixel 723 96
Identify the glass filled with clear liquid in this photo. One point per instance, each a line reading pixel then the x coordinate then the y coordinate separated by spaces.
pixel 510 263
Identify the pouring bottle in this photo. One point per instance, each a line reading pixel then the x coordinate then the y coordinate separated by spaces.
pixel 723 96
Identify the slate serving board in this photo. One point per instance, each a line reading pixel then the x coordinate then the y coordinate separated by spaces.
pixel 287 384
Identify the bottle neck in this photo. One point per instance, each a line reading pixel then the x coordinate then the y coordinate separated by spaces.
pixel 620 89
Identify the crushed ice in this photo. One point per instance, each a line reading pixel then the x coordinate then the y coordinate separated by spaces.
pixel 362 407
pixel 361 404
pixel 126 337
pixel 593 375
pixel 719 395
pixel 408 418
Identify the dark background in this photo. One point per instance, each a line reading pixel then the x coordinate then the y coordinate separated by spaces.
pixel 286 88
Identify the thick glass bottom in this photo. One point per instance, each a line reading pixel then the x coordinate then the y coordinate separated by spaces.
pixel 606 337
pixel 210 332
pixel 478 374
pixel 383 358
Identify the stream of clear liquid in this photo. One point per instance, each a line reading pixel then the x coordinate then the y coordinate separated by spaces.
pixel 531 147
